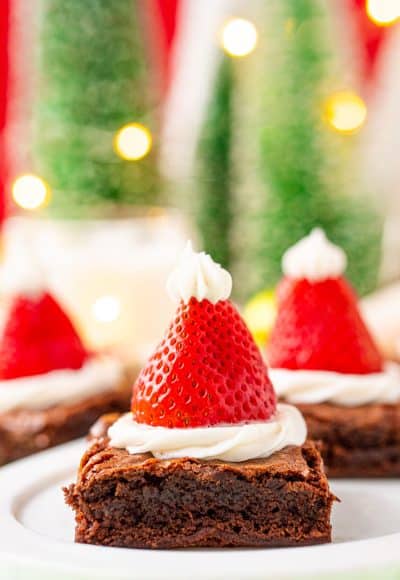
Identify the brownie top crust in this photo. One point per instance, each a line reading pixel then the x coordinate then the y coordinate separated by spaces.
pixel 367 426
pixel 102 461
pixel 360 416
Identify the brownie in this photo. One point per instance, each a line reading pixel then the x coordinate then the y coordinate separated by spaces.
pixel 24 431
pixel 356 441
pixel 138 501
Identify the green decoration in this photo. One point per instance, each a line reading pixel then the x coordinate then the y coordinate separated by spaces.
pixel 305 166
pixel 213 203
pixel 93 79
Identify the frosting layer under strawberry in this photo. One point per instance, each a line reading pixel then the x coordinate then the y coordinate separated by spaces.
pixel 206 371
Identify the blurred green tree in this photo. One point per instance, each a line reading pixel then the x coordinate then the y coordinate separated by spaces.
pixel 213 202
pixel 93 79
pixel 305 165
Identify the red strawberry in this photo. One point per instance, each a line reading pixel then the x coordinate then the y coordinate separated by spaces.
pixel 319 327
pixel 38 337
pixel 206 371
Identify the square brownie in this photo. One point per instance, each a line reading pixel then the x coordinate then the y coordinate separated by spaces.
pixel 138 501
pixel 356 441
pixel 27 431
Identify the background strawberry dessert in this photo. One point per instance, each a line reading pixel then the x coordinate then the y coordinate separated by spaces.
pixel 51 387
pixel 324 360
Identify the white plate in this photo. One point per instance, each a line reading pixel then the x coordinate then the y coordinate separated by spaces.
pixel 36 535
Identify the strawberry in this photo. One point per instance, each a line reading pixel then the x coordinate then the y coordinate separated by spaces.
pixel 207 371
pixel 38 337
pixel 319 327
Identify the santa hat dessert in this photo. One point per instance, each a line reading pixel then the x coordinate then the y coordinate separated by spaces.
pixel 206 372
pixel 324 360
pixel 206 457
pixel 46 373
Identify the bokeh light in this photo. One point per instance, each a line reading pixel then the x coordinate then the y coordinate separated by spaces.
pixel 106 309
pixel 133 141
pixel 383 12
pixel 239 37
pixel 30 192
pixel 345 112
pixel 259 314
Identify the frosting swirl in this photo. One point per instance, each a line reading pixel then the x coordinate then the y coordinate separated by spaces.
pixel 308 386
pixel 314 258
pixel 228 442
pixel 198 276
pixel 98 375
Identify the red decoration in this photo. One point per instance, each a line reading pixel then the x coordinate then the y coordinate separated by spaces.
pixel 168 14
pixel 371 38
pixel 162 16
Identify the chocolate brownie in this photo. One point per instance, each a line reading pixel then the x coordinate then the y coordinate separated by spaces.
pixel 23 431
pixel 356 441
pixel 138 501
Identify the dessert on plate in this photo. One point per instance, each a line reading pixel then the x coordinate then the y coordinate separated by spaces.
pixel 206 457
pixel 323 360
pixel 51 388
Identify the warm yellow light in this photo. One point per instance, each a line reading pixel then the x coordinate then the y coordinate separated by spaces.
pixel 259 314
pixel 133 141
pixel 383 12
pixel 106 309
pixel 239 37
pixel 30 192
pixel 345 111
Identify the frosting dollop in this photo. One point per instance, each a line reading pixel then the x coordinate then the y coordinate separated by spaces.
pixel 308 386
pixel 198 276
pixel 227 442
pixel 314 258
pixel 98 374
pixel 21 271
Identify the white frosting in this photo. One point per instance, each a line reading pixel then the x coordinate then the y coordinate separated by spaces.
pixel 21 272
pixel 308 386
pixel 227 442
pixel 314 258
pixel 197 275
pixel 98 375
